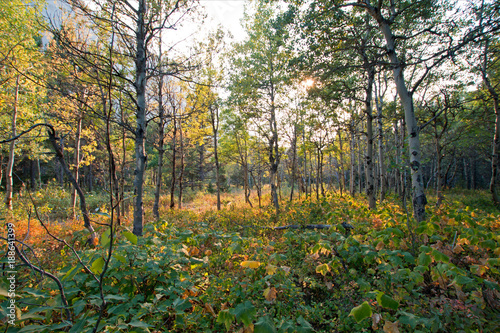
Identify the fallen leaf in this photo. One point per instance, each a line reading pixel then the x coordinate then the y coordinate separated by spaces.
pixel 270 294
pixel 286 269
pixel 194 251
pixel 210 309
pixel 380 246
pixel 312 257
pixel 391 327
pixel 246 329
pixel 271 269
pixel 269 248
pixel 376 318
pixel 250 264
pixel 426 239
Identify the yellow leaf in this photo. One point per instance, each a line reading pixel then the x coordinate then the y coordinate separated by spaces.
pixel 380 246
pixel 391 327
pixel 497 251
pixel 271 269
pixel 250 264
pixel 270 294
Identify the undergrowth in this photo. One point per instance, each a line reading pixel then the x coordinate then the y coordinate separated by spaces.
pixel 208 271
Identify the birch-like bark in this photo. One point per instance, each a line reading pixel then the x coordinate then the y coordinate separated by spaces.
pixel 370 179
pixel 274 157
pixel 419 199
pixel 140 132
pixel 360 166
pixel 214 119
pixel 174 160
pixel 181 172
pixel 12 147
pixel 353 161
pixel 382 173
pixel 294 162
pixel 161 137
pixel 76 170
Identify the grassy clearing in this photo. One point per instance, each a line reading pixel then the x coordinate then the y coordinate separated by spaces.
pixel 199 270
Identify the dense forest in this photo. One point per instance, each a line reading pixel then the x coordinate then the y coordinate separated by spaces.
pixel 337 169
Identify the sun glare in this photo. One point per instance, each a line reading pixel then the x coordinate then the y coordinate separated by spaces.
pixel 308 83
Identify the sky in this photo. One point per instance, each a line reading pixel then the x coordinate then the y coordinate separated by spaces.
pixel 227 13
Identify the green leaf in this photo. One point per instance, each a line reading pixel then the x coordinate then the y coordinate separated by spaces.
pixel 386 301
pixel 69 274
pixel 463 280
pixel 78 326
pixel 137 323
pixel 97 266
pixel 226 318
pixel 361 312
pixel 424 259
pixel 264 325
pixel 305 326
pixel 105 238
pixel 494 261
pixel 438 256
pixel 103 214
pixel 409 319
pixel 130 236
pixel 120 258
pixel 32 328
pixel 180 305
pixel 488 244
pixel 245 312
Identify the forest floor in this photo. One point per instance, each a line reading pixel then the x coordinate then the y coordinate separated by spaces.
pixel 199 270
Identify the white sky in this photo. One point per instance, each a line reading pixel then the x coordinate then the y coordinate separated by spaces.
pixel 227 13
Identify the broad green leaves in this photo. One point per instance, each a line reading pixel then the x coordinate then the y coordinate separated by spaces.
pixel 361 312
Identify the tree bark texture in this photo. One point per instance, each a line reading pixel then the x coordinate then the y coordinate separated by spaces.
pixel 140 132
pixel 419 199
pixel 12 147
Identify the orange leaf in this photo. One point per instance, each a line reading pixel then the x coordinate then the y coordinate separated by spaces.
pixel 193 251
pixel 270 294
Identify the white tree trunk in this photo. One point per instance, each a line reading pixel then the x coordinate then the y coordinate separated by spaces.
pixel 12 147
pixel 140 132
pixel 419 198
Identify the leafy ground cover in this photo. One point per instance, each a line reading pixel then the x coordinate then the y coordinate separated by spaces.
pixel 207 271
